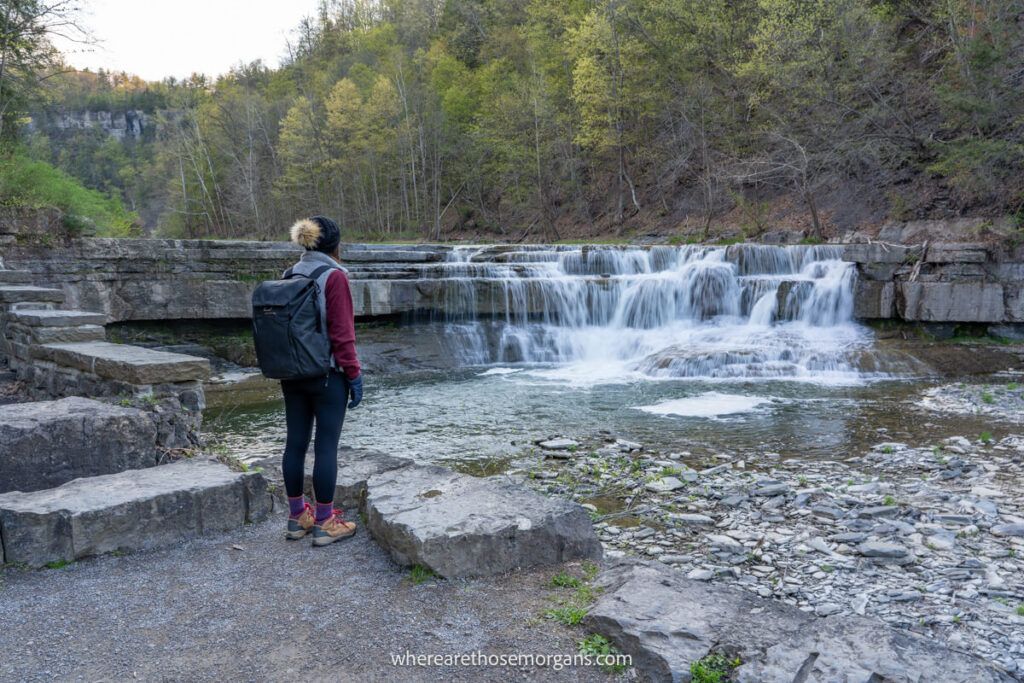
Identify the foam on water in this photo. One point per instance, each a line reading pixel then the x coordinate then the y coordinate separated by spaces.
pixel 710 404
pixel 607 314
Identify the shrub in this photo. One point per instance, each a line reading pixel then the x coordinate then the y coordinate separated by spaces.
pixel 37 184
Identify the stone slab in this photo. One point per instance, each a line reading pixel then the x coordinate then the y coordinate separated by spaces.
pixel 876 252
pixel 463 526
pixel 950 301
pixel 57 318
pixel 19 277
pixel 14 294
pixel 956 253
pixel 126 363
pixel 874 300
pixel 355 467
pixel 48 443
pixel 133 510
pixel 667 622
pixel 64 335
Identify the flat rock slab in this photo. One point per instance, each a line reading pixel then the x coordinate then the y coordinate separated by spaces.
pixel 57 318
pixel 48 443
pixel 130 510
pixel 461 526
pixel 15 276
pixel 15 294
pixel 667 622
pixel 355 467
pixel 126 363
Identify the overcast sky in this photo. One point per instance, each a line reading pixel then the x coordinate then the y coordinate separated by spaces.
pixel 158 38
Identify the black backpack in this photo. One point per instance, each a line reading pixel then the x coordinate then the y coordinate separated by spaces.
pixel 287 326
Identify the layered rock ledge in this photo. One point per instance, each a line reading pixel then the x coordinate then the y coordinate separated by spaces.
pixel 667 622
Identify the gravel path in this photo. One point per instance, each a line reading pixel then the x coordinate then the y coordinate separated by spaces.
pixel 270 611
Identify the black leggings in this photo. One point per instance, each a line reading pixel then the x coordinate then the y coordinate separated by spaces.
pixel 305 401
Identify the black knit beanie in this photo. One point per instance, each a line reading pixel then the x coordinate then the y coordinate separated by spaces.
pixel 317 233
pixel 330 234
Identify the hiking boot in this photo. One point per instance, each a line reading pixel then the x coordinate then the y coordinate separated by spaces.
pixel 301 525
pixel 332 529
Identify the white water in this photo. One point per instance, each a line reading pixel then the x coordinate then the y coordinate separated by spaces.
pixel 601 314
pixel 710 404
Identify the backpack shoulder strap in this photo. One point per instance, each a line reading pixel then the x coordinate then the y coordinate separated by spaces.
pixel 288 274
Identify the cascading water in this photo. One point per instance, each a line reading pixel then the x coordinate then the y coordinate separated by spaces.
pixel 743 311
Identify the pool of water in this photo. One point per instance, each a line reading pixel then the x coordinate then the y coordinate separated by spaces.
pixel 479 413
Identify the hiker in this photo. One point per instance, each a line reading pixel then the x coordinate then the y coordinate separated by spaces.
pixel 321 400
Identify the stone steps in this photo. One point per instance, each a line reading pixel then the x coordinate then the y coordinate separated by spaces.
pixel 16 277
pixel 57 318
pixel 17 294
pixel 132 510
pixel 49 443
pixel 126 363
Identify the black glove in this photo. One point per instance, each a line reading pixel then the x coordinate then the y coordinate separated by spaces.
pixel 355 391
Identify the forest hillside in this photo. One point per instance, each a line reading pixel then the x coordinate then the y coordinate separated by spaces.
pixel 564 119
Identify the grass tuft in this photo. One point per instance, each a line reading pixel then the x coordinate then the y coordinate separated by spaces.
pixel 419 574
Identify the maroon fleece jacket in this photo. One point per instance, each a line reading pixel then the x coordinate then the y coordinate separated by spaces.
pixel 341 323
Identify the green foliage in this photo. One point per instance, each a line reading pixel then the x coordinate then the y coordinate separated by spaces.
pixel 513 118
pixel 985 437
pixel 420 574
pixel 564 580
pixel 36 184
pixel 567 615
pixel 57 564
pixel 714 668
pixel 595 645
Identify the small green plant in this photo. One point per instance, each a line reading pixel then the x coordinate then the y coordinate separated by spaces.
pixel 888 500
pixel 827 568
pixel 888 450
pixel 986 437
pixel 714 668
pixel 419 574
pixel 565 580
pixel 956 618
pixel 568 615
pixel 987 397
pixel 596 645
pixel 1020 610
pixel 1012 386
pixel 57 564
pixel 125 403
pixel 670 471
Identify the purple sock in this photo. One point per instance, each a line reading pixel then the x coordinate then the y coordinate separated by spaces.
pixel 323 511
pixel 296 505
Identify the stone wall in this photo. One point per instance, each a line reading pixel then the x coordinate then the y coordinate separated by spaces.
pixel 941 283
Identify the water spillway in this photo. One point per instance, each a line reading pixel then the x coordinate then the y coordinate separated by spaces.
pixel 593 313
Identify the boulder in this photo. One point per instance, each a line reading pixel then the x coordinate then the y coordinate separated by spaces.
pixel 666 622
pixel 355 467
pixel 462 526
pixel 131 510
pixel 48 443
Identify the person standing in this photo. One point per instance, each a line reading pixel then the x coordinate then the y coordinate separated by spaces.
pixel 321 401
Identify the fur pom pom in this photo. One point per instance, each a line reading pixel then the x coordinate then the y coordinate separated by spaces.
pixel 306 233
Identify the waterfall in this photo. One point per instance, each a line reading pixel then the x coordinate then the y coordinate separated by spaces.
pixel 737 312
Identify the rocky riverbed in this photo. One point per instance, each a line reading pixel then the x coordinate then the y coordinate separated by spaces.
pixel 1000 401
pixel 927 537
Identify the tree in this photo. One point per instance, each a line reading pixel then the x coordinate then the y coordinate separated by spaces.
pixel 27 57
